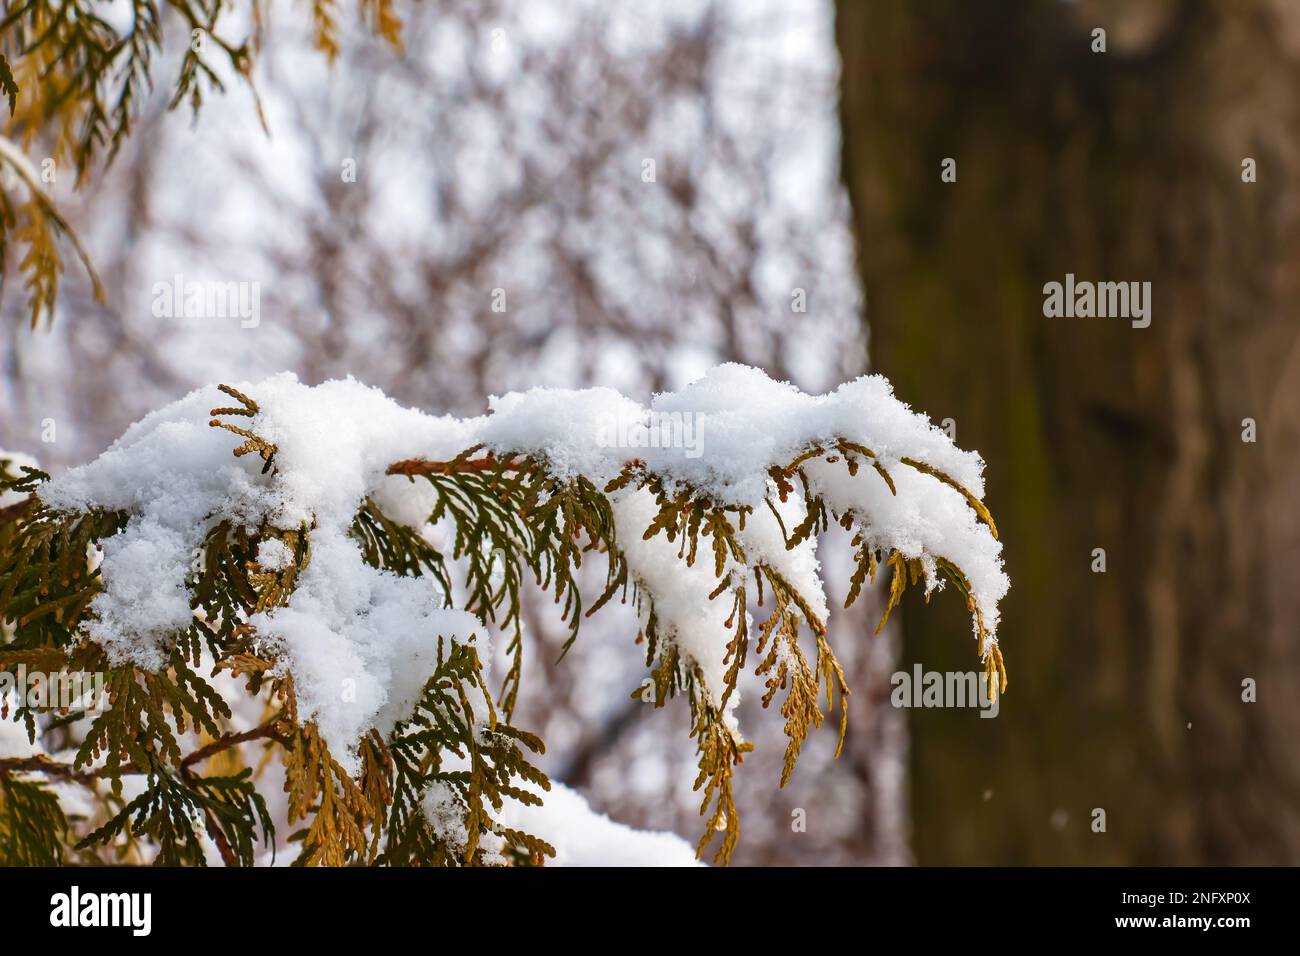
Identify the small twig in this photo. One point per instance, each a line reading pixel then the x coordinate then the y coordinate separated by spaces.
pixel 20 164
pixel 54 768
pixel 249 409
pixel 419 466
pixel 270 729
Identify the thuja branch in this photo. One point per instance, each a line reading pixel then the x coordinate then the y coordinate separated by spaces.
pixel 77 81
pixel 274 729
pixel 43 207
pixel 698 547
pixel 53 768
pixel 461 465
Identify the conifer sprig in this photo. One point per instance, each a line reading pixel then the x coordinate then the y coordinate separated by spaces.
pixel 48 578
pixel 75 85
pixel 684 516
pixel 431 791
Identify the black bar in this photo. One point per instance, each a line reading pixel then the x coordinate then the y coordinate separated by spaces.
pixel 981 906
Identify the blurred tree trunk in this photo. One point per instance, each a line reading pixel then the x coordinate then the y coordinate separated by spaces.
pixel 1126 687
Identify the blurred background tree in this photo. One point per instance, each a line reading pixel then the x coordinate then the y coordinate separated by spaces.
pixel 1123 165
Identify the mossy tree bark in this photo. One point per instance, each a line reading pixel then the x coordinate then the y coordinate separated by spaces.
pixel 1126 687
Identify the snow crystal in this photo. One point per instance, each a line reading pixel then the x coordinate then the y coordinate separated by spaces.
pixel 447 817
pixel 274 555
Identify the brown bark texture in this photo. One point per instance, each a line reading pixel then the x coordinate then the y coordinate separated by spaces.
pixel 1127 686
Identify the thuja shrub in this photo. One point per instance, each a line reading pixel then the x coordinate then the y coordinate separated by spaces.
pixel 288 594
pixel 73 83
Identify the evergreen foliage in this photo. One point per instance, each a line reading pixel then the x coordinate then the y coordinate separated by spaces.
pixel 74 86
pixel 517 519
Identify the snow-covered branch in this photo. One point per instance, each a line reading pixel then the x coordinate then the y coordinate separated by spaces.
pixel 352 559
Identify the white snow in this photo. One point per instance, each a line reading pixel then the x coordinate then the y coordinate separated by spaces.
pixel 274 555
pixel 747 422
pixel 762 540
pixel 360 642
pixel 925 520
pixel 583 837
pixel 685 615
pixel 744 423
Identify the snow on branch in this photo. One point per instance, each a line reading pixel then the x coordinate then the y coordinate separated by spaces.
pixel 351 558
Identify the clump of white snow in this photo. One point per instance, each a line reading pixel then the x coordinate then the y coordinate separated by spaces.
pixel 580 835
pixel 686 616
pixel 360 642
pixel 743 422
pixel 274 555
